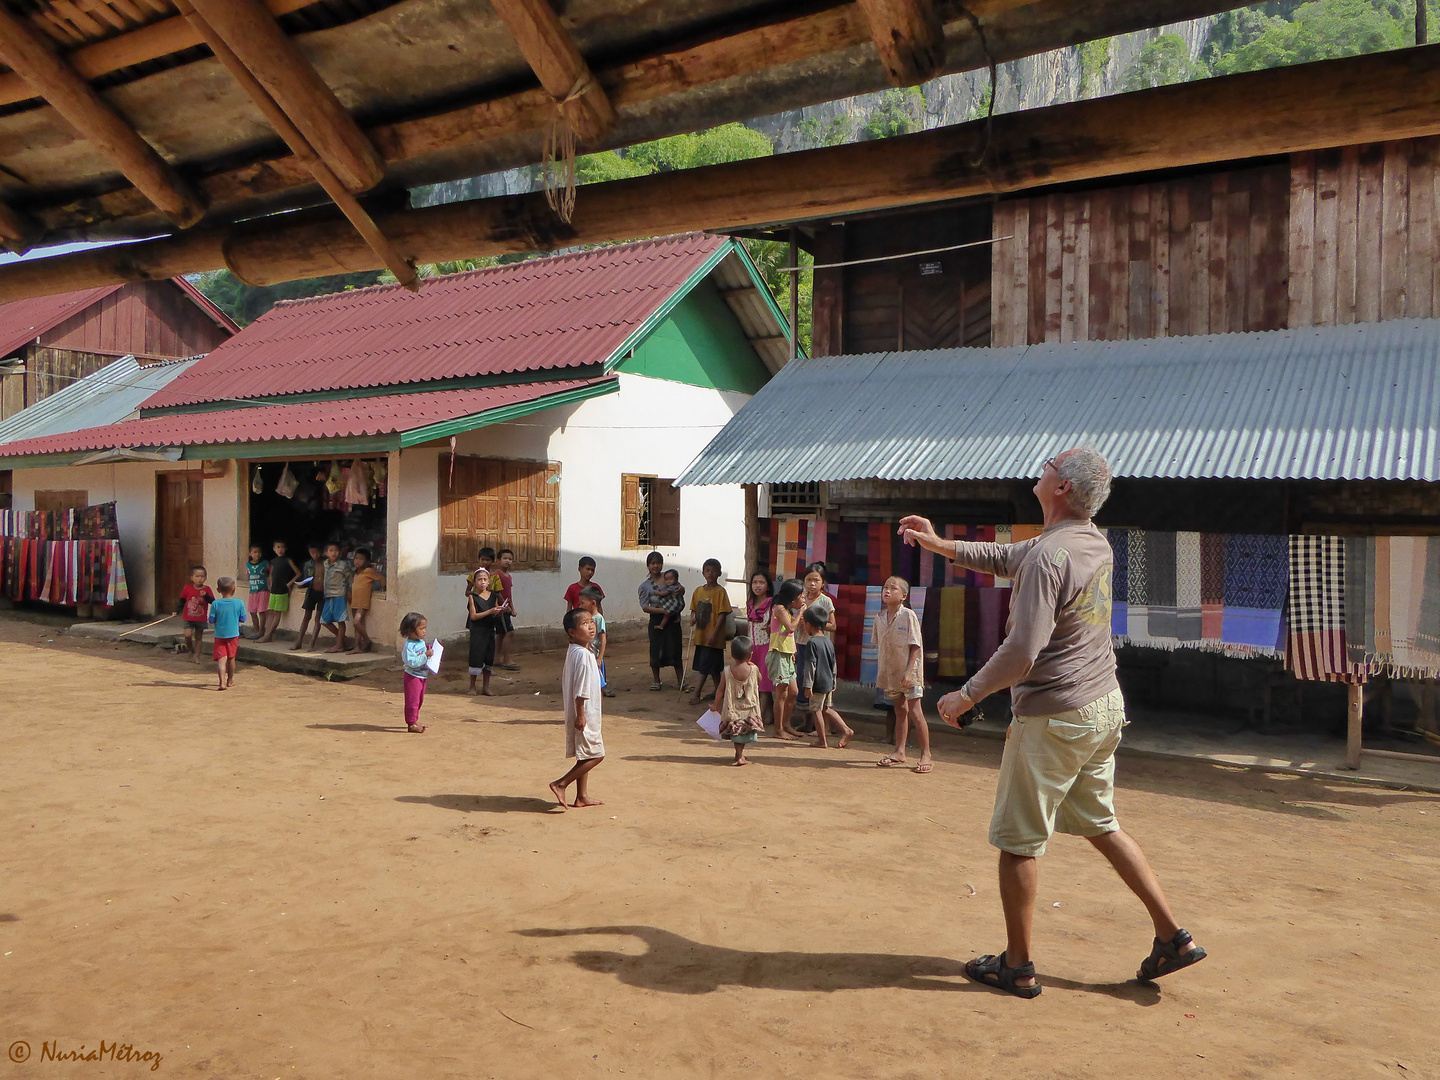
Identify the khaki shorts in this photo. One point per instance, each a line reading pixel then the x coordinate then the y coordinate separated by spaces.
pixel 910 693
pixel 817 702
pixel 1058 774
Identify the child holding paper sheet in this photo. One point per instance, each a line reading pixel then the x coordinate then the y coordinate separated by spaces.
pixel 416 657
pixel 737 699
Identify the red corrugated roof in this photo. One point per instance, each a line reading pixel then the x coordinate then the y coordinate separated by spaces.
pixel 22 321
pixel 542 314
pixel 382 415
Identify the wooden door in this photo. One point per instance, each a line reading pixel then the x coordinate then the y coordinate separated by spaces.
pixel 180 526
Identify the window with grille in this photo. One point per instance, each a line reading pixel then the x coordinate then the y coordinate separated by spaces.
pixel 794 498
pixel 649 512
pixel 502 504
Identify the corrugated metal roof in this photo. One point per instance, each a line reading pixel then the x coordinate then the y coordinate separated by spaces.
pixel 542 314
pixel 385 414
pixel 1347 402
pixel 106 397
pixel 22 321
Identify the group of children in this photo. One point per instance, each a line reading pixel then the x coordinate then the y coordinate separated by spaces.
pixel 335 590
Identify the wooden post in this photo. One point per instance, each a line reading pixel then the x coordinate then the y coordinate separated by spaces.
pixel 752 533
pixel 1422 31
pixel 792 260
pixel 1355 718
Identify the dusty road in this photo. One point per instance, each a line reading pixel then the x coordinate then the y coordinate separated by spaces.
pixel 278 882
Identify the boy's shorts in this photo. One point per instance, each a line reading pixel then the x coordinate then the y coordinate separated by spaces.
pixel 226 647
pixel 507 625
pixel 257 602
pixel 313 599
pixel 781 666
pixel 910 693
pixel 816 702
pixel 334 610
pixel 1057 774
pixel 279 601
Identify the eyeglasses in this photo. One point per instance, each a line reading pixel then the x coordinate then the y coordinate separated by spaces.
pixel 1050 464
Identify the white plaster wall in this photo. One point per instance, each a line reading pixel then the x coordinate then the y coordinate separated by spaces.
pixel 650 426
pixel 132 486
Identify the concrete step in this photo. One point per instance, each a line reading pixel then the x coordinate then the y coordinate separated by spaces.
pixel 278 655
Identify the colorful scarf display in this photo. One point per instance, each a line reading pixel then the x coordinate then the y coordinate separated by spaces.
pixel 1392 604
pixel 1225 593
pixel 64 557
pixel 1315 645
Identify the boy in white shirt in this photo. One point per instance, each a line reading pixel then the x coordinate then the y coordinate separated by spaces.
pixel 896 634
pixel 580 688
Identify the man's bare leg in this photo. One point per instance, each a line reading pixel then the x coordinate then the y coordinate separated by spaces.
pixel 1134 869
pixel 1019 885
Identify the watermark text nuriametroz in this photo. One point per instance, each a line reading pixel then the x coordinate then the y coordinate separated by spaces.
pixel 54 1050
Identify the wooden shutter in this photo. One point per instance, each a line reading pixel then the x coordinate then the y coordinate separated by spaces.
pixel 454 489
pixel 546 529
pixel 664 514
pixel 501 504
pixel 61 500
pixel 629 510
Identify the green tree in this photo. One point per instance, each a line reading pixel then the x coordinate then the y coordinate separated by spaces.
pixel 1094 59
pixel 1321 30
pixel 1163 61
pixel 899 112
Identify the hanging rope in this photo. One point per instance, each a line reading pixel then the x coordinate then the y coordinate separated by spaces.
pixel 558 158
pixel 979 158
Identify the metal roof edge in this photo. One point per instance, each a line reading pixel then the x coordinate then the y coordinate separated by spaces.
pixel 780 318
pixel 504 413
pixel 291 448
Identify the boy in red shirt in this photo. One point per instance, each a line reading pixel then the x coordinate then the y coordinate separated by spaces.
pixel 194 610
pixel 507 621
pixel 587 571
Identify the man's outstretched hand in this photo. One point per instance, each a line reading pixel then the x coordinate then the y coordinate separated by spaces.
pixel 915 529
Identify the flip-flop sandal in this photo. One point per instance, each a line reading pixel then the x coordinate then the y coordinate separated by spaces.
pixel 923 767
pixel 887 761
pixel 1166 957
pixel 991 971
pixel 656 686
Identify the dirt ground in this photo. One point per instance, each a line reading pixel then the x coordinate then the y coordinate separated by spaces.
pixel 279 882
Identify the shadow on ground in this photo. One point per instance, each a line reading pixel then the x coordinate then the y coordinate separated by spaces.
pixel 485 804
pixel 677 965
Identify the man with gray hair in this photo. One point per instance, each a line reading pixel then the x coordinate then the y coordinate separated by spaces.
pixel 1058 768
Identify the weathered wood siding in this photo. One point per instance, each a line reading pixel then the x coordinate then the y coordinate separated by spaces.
pixel 1193 255
pixel 933 301
pixel 46 371
pixel 1363 233
pixel 152 319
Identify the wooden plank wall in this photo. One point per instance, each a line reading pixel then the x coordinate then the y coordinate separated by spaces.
pixel 1363 233
pixel 149 318
pixel 46 371
pixel 1193 255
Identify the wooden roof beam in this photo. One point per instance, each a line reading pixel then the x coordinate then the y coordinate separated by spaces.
pixel 1360 99
pixel 557 63
pixel 150 42
pixel 17 232
pixel 252 33
pixel 394 261
pixel 909 38
pixel 35 60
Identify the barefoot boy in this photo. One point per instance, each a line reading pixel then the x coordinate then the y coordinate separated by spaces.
pixel 590 598
pixel 227 614
pixel 337 575
pixel 195 601
pixel 312 574
pixel 282 575
pixel 580 687
pixel 818 681
pixel 896 635
pixel 366 578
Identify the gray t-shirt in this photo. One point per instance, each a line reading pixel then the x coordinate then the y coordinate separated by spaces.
pixel 819 674
pixel 1057 654
pixel 802 630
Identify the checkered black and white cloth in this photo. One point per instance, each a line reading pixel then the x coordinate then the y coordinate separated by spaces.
pixel 1315 645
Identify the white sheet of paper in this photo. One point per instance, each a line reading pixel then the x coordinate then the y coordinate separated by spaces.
pixel 710 724
pixel 436 651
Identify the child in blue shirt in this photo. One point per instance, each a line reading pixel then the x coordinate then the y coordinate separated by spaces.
pixel 414 654
pixel 226 614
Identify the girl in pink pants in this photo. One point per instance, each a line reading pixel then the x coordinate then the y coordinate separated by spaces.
pixel 415 655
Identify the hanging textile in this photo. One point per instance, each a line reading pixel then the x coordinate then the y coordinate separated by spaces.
pixel 1315 646
pixel 1392 604
pixel 63 557
pixel 869 652
pixel 952 633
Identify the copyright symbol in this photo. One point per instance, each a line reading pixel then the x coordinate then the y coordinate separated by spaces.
pixel 19 1051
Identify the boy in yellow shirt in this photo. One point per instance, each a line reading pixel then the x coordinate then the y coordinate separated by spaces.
pixel 709 605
